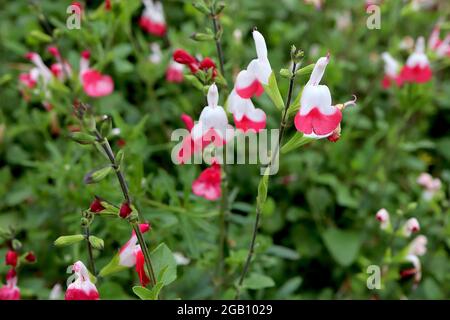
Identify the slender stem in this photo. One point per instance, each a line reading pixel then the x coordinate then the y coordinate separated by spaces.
pixel 144 248
pixel 89 248
pixel 223 214
pixel 126 194
pixel 258 208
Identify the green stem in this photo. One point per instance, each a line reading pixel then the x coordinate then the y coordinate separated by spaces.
pixel 144 248
pixel 89 248
pixel 258 207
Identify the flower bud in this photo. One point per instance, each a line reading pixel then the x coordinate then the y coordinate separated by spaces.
pixel 125 210
pixel 96 242
pixel 96 206
pixel 411 226
pixel 97 175
pixel 30 257
pixel 11 258
pixel 82 138
pixel 68 240
pixel 198 36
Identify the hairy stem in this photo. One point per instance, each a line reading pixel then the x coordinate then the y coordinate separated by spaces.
pixel 126 194
pixel 283 124
pixel 89 248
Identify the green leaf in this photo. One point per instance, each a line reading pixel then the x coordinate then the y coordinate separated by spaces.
pixel 96 242
pixel 283 252
pixel 112 267
pixel 40 36
pixel 97 175
pixel 273 92
pixel 148 294
pixel 295 142
pixel 257 281
pixel 162 258
pixel 342 244
pixel 68 240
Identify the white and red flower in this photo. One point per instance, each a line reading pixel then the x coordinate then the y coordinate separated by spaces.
pixel 246 116
pixel 10 291
pixel 383 217
pixel 29 79
pixel 131 255
pixel 208 184
pixel 94 83
pixel 415 271
pixel 183 57
pixel 213 124
pixel 152 19
pixel 82 287
pixel 391 71
pixel 440 47
pixel 174 72
pixel 411 226
pixel 417 68
pixel 249 82
pixel 317 118
pixel 431 185
pixel 418 246
pixel 61 69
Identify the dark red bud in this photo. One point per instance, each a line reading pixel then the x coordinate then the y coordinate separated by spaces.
pixel 96 206
pixel 125 210
pixel 30 257
pixel 11 274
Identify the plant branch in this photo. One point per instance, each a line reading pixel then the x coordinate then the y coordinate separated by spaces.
pixel 87 234
pixel 259 206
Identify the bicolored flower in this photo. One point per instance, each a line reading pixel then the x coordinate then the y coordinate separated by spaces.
pixel 415 271
pixel 10 291
pixel 188 146
pixel 417 68
pixel 411 226
pixel 208 184
pixel 82 287
pixel 317 118
pixel 95 84
pixel 249 82
pixel 44 71
pixel 391 71
pixel 131 255
pixel 383 217
pixel 440 47
pixel 174 72
pixel 30 78
pixel 246 116
pixel 213 124
pixel 61 69
pixel 431 185
pixel 418 246
pixel 152 19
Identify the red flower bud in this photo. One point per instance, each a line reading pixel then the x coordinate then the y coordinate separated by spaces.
pixel 183 57
pixel 188 122
pixel 108 5
pixel 30 257
pixel 121 143
pixel 96 206
pixel 54 51
pixel 11 258
pixel 125 210
pixel 10 274
pixel 86 54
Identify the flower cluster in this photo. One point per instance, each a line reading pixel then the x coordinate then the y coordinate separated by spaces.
pixel 416 70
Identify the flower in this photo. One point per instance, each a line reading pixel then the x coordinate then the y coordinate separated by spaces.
pixel 96 206
pixel 391 71
pixel 11 258
pixel 246 116
pixel 181 259
pixel 430 184
pixel 125 210
pixel 10 291
pixel 183 57
pixel 207 185
pixel 249 81
pixel 440 47
pixel 29 79
pixel 417 68
pixel 418 246
pixel 56 292
pixel 107 5
pixel 131 254
pixel 94 83
pixel 383 216
pixel 155 56
pixel 44 71
pixel 416 269
pixel 60 69
pixel 411 226
pixel 213 124
pixel 188 147
pixel 152 19
pixel 317 118
pixel 174 72
pixel 82 288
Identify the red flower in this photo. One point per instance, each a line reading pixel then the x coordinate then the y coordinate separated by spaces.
pixel 108 5
pixel 183 57
pixel 125 210
pixel 30 257
pixel 207 185
pixel 140 268
pixel 11 258
pixel 10 291
pixel 96 206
